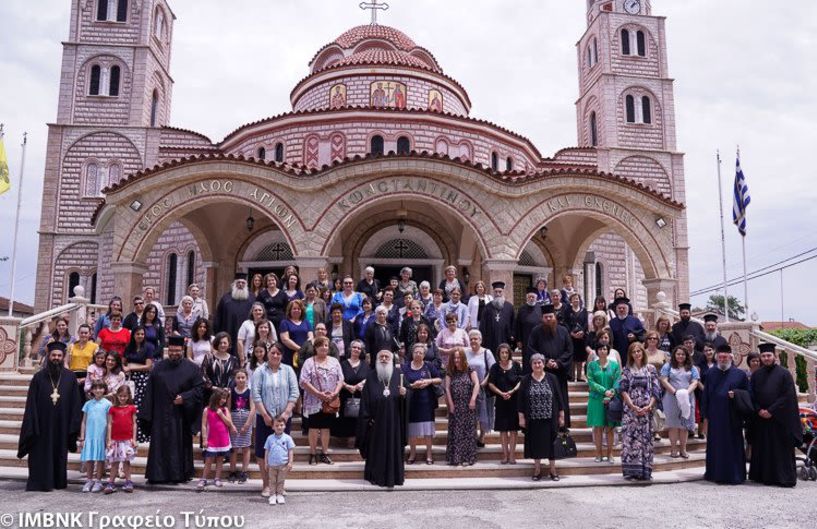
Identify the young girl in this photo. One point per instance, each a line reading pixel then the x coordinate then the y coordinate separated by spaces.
pixel 92 435
pixel 96 371
pixel 216 426
pixel 242 413
pixel 114 376
pixel 121 438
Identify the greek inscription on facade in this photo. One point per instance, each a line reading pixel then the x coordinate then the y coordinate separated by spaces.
pixel 418 186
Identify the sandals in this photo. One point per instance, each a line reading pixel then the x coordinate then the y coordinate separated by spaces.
pixel 674 454
pixel 217 483
pixel 503 462
pixel 597 459
pixel 683 455
pixel 313 459
pixel 554 477
pixel 323 458
pixel 429 461
pixel 201 485
pixel 411 461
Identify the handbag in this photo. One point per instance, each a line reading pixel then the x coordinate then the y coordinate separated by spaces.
pixel 564 446
pixel 615 409
pixel 351 407
pixel 329 407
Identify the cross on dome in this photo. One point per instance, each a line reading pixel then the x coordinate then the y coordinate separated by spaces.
pixel 374 6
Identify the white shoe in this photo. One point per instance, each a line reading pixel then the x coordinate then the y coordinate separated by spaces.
pixel 273 499
pixel 88 486
pixel 281 499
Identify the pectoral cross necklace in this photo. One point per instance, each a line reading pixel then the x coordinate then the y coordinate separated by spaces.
pixel 55 395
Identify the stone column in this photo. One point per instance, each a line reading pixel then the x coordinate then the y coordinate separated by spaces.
pixel 308 268
pixel 654 287
pixel 500 270
pixel 209 289
pixel 127 278
pixel 80 316
pixel 9 343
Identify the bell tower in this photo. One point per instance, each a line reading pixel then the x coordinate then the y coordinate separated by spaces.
pixel 626 108
pixel 114 99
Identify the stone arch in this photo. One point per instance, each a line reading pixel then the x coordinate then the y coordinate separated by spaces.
pixel 646 170
pixel 81 257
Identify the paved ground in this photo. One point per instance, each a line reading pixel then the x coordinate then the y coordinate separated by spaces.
pixel 682 505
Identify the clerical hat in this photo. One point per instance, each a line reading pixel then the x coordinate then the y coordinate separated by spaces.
pixel 548 309
pixel 620 301
pixel 498 284
pixel 240 275
pixel 723 348
pixel 684 306
pixel 711 317
pixel 531 290
pixel 178 341
pixel 56 346
pixel 766 347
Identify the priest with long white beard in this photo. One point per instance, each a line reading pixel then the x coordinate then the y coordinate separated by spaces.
pixel 233 308
pixel 382 423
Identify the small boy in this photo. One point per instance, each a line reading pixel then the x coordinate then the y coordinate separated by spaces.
pixel 279 455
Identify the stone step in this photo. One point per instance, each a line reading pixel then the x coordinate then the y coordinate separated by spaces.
pixel 440 470
pixel 11 390
pixel 15 401
pixel 11 414
pixel 489 452
pixel 15 379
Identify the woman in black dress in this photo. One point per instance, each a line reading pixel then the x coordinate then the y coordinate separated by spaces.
pixel 541 414
pixel 503 380
pixel 576 319
pixel 355 370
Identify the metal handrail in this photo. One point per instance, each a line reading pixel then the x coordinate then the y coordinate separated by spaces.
pixel 783 344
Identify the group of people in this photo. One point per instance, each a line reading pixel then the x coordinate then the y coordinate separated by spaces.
pixel 370 366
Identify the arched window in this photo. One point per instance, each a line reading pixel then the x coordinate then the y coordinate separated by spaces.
pixel 113 83
pixel 509 164
pixel 595 51
pixel 403 145
pixel 640 43
pixel 630 107
pixel 154 108
pixel 191 267
pixel 114 173
pixel 594 134
pixel 93 288
pixel 494 161
pixel 625 42
pixel 279 152
pixel 262 153
pixel 73 282
pixel 96 75
pixel 159 24
pixel 646 110
pixel 102 10
pixel 122 11
pixel 92 180
pixel 598 284
pixel 172 265
pixel 377 145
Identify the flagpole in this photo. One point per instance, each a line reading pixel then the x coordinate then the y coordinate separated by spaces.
pixel 723 239
pixel 745 283
pixel 17 223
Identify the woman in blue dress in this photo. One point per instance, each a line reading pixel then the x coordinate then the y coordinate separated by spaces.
pixel 421 377
pixel 295 331
pixel 154 330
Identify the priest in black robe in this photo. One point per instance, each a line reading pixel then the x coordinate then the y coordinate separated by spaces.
pixel 171 412
pixel 382 423
pixel 51 423
pixel 776 430
pixel 527 318
pixel 686 327
pixel 725 453
pixel 626 328
pixel 711 333
pixel 234 309
pixel 552 341
pixel 497 321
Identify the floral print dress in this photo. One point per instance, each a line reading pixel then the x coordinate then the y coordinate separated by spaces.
pixel 462 424
pixel 637 451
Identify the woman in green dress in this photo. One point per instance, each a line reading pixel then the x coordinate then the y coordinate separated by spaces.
pixel 602 377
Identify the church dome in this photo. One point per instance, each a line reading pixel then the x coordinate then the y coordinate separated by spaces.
pixel 373 44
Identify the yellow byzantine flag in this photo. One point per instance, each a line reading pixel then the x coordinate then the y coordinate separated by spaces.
pixel 5 183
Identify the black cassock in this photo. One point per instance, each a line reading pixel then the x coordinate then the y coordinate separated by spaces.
pixel 527 318
pixel 497 326
pixel 382 428
pixel 49 430
pixel 685 328
pixel 774 440
pixel 725 454
pixel 558 347
pixel 230 314
pixel 171 426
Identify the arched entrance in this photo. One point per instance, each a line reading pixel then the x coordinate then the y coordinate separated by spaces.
pixel 390 249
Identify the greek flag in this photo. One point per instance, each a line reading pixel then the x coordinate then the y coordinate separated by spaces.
pixel 741 199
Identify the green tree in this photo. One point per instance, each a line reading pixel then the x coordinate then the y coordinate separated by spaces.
pixel 736 310
pixel 804 338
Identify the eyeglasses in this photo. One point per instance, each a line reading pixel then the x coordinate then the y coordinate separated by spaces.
pixel 652 338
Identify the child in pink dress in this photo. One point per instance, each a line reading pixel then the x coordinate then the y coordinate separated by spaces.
pixel 216 426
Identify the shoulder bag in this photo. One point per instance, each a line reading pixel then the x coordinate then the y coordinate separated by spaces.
pixel 329 407
pixel 564 447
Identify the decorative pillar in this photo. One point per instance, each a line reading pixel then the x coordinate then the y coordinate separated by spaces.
pixel 80 315
pixel 9 343
pixel 500 270
pixel 659 291
pixel 209 290
pixel 589 278
pixel 308 268
pixel 128 279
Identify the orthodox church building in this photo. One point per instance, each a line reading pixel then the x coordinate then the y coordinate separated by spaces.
pixel 379 163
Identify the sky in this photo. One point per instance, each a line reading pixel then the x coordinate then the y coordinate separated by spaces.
pixel 741 70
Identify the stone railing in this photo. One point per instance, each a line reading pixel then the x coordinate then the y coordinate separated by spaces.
pixel 31 331
pixel 745 336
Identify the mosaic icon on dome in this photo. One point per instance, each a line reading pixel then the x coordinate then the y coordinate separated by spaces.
pixel 435 101
pixel 388 94
pixel 337 96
